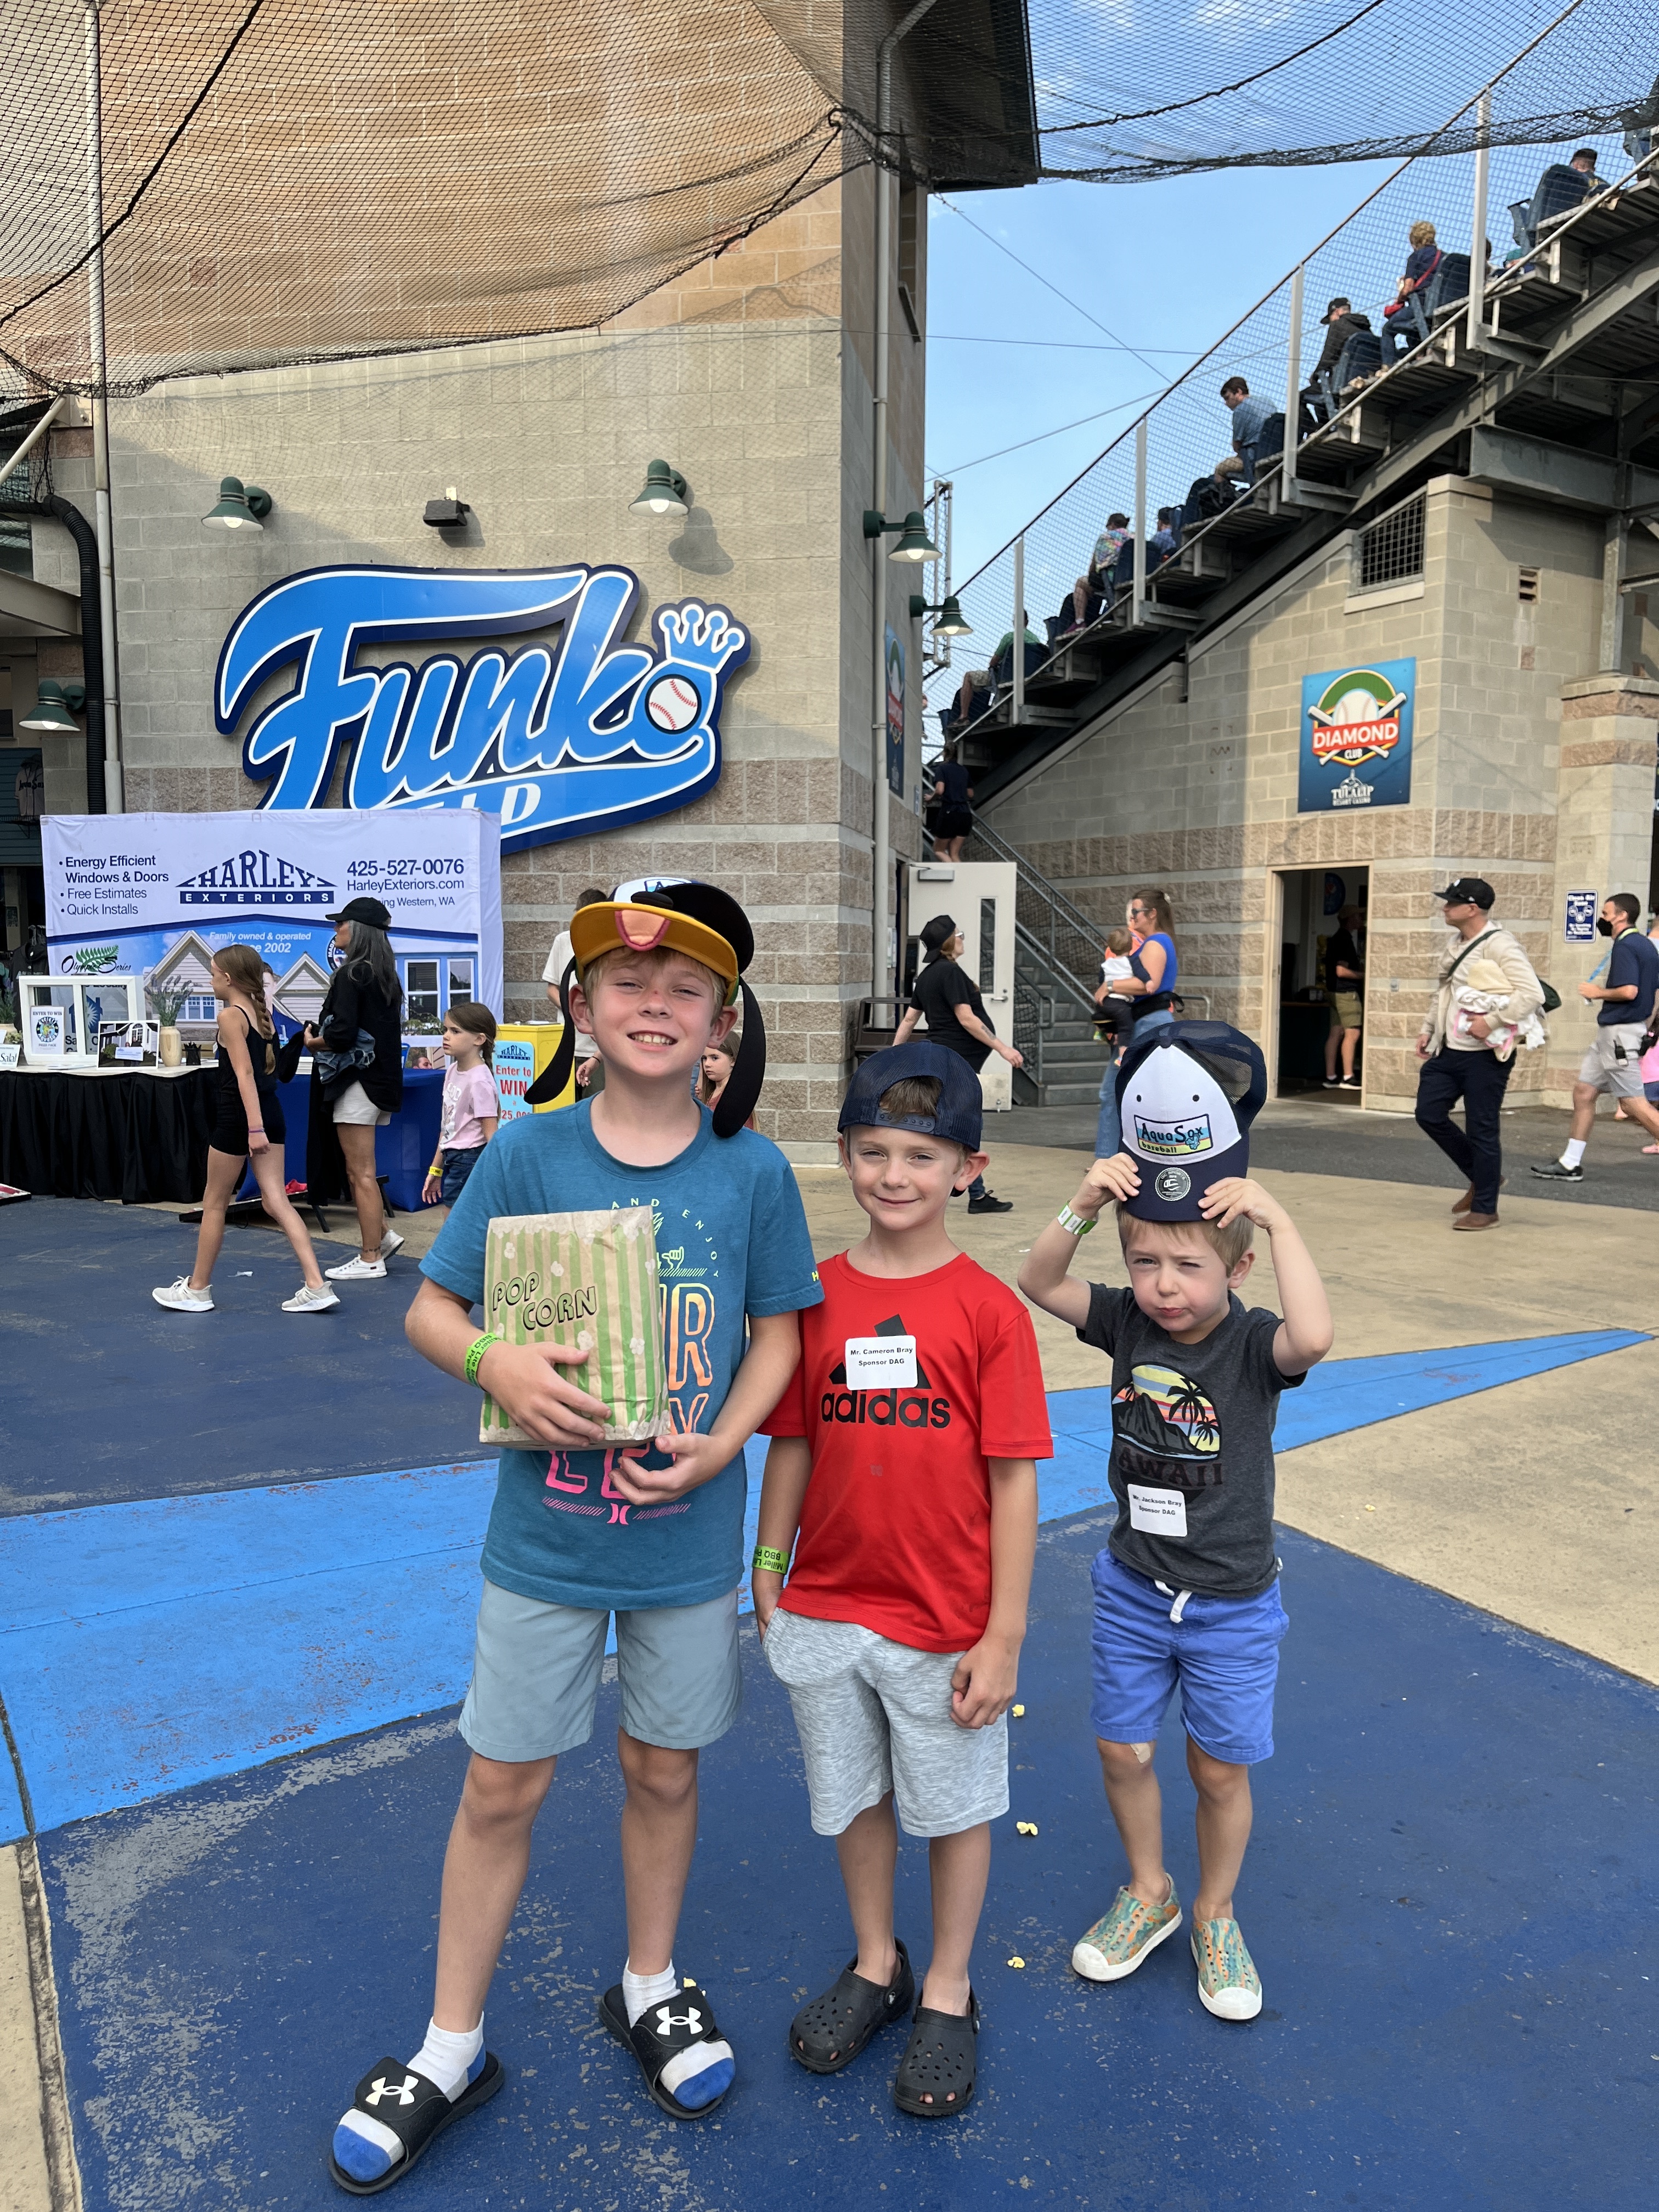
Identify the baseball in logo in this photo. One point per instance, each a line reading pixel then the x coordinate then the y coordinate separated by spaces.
pixel 672 703
pixel 1357 717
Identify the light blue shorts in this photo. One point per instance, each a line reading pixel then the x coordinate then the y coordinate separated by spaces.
pixel 1223 1651
pixel 536 1667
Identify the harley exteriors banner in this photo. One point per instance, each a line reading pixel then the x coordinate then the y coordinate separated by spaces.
pixel 157 895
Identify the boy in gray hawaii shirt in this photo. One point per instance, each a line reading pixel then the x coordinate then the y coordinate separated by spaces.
pixel 1199 1419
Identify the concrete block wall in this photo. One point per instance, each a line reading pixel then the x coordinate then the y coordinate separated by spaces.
pixel 1199 794
pixel 740 374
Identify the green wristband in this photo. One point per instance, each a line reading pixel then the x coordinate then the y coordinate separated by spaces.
pixel 475 1353
pixel 769 1560
pixel 1074 1225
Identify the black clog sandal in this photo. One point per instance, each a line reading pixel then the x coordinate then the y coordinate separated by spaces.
pixel 830 2031
pixel 939 2063
pixel 415 2109
pixel 661 2033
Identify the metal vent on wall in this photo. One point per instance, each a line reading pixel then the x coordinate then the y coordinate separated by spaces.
pixel 1390 551
pixel 1527 587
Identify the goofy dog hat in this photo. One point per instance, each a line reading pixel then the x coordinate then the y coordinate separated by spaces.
pixel 673 916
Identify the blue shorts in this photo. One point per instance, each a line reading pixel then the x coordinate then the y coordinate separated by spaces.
pixel 458 1166
pixel 1223 1652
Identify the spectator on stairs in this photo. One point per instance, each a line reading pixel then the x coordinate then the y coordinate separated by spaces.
pixel 953 793
pixel 1340 325
pixel 1249 418
pixel 1399 331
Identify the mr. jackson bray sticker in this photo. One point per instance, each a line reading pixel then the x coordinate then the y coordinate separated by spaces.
pixel 1356 737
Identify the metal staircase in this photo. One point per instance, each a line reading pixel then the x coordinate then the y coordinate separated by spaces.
pixel 1056 967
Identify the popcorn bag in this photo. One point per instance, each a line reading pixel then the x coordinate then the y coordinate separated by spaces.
pixel 589 1280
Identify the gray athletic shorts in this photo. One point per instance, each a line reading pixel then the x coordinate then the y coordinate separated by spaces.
pixel 874 1716
pixel 536 1671
pixel 1601 1067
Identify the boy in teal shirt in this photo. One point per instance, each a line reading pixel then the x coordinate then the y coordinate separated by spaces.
pixel 578 1531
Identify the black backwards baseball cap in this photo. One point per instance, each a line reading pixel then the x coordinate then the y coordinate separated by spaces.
pixel 1188 1092
pixel 1474 890
pixel 363 909
pixel 956 1119
pixel 699 919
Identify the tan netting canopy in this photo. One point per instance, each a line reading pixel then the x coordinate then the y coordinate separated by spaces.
pixel 302 180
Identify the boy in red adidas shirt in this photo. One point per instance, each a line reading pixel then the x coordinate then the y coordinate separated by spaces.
pixel 904 1454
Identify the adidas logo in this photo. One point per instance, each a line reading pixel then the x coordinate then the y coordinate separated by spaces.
pixel 909 1409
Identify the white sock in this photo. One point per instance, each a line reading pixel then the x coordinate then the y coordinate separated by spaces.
pixel 640 1991
pixel 446 2056
pixel 1575 1149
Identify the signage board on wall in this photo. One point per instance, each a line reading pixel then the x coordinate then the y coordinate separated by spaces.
pixel 158 894
pixel 894 713
pixel 1355 745
pixel 574 732
pixel 1580 918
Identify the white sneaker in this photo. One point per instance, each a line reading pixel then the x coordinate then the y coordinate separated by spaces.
pixel 354 1270
pixel 305 1300
pixel 182 1299
pixel 390 1242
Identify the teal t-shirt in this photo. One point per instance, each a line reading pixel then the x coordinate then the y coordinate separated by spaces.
pixel 731 1240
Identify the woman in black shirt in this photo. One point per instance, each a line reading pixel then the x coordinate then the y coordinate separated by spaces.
pixel 357 1082
pixel 947 996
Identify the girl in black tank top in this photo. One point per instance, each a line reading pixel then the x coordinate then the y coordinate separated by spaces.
pixel 247 1126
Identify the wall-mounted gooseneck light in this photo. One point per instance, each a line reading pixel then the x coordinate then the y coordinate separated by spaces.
pixel 914 543
pixel 56 707
pixel 240 507
pixel 951 621
pixel 665 492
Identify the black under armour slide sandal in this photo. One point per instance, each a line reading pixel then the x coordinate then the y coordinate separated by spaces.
pixel 830 2031
pixel 939 2063
pixel 662 2032
pixel 415 2109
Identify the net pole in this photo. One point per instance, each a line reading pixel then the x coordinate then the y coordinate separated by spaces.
pixel 1477 323
pixel 113 800
pixel 1137 612
pixel 881 841
pixel 1292 391
pixel 1018 708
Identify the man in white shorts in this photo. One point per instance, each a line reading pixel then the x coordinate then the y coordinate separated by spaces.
pixel 1611 1065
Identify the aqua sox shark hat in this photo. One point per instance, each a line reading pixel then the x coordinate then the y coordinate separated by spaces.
pixel 1187 1093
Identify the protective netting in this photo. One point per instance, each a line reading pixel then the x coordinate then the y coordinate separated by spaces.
pixel 1188 428
pixel 306 179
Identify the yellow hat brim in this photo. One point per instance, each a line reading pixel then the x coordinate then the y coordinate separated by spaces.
pixel 635 925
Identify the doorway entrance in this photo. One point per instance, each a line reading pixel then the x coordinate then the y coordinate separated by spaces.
pixel 1314 1044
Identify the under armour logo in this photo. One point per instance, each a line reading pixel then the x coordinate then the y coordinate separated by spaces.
pixel 691 2020
pixel 403 2091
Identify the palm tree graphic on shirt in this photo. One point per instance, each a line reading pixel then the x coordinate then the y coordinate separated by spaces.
pixel 1163 1414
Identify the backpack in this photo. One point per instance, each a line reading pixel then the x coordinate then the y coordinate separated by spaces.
pixel 1208 498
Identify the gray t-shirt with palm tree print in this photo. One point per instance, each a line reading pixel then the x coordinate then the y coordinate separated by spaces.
pixel 1192 1466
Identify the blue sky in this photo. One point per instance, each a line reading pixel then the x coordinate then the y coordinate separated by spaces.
pixel 1166 267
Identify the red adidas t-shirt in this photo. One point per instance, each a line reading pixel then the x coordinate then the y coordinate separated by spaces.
pixel 896 1529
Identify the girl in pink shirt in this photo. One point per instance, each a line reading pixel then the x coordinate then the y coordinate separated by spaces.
pixel 472 1108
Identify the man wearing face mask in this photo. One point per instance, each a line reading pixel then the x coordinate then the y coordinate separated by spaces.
pixel 1611 1064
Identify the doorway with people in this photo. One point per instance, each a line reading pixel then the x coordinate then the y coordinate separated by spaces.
pixel 1322 983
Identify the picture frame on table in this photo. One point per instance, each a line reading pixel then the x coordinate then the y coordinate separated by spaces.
pixel 129 1044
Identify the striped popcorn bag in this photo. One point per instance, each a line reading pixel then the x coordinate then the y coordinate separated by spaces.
pixel 589 1280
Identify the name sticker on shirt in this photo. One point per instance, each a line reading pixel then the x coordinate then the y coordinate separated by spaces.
pixel 881 1363
pixel 1159 1512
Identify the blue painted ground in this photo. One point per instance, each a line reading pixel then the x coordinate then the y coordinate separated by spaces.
pixel 1450 1895
pixel 109 1396
pixel 332 1608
